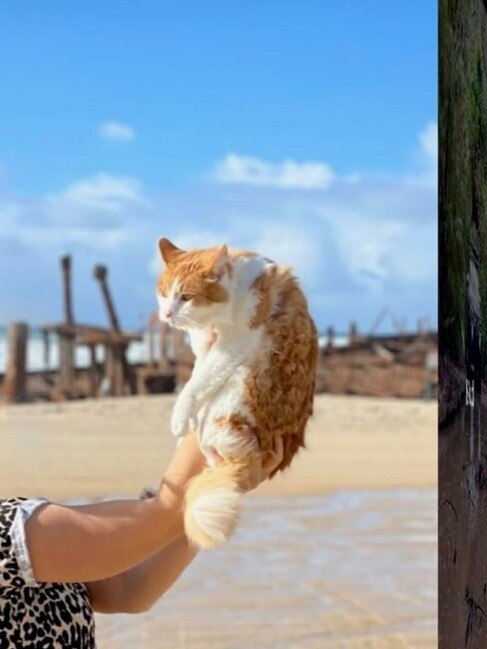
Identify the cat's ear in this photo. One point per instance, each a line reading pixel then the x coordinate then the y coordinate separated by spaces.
pixel 218 264
pixel 168 250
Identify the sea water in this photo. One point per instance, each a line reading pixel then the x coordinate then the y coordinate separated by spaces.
pixel 138 352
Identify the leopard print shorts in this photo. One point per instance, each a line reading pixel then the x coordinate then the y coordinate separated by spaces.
pixel 36 615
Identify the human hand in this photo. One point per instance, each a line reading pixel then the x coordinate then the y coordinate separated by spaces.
pixel 253 475
pixel 186 462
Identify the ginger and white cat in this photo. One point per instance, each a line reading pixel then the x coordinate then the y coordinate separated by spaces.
pixel 256 351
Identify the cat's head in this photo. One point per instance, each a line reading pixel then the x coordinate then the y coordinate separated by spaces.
pixel 192 290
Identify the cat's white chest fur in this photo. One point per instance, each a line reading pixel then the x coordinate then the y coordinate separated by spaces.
pixel 237 351
pixel 225 352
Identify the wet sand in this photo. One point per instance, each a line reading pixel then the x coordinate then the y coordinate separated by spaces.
pixel 338 553
pixel 353 570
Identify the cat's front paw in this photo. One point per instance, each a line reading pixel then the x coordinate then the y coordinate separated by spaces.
pixel 183 418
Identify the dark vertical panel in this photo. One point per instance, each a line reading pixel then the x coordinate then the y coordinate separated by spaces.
pixel 462 325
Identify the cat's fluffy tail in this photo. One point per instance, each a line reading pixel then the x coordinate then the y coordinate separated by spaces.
pixel 213 503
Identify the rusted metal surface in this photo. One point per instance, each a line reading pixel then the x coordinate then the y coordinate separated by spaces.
pixel 101 275
pixel 67 294
pixel 91 335
pixel 382 366
pixel 117 373
pixel 66 342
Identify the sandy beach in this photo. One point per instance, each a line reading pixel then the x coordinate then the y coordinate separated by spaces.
pixel 87 449
pixel 338 552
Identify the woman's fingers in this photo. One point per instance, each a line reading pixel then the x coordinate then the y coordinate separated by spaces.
pixel 256 472
pixel 274 458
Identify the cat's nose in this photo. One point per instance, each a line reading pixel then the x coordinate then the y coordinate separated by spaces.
pixel 170 314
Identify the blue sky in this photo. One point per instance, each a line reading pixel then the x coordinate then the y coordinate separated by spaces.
pixel 306 130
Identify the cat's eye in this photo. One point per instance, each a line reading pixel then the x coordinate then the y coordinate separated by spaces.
pixel 184 297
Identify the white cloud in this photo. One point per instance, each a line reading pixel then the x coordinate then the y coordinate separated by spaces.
pixel 428 139
pixel 358 243
pixel 384 230
pixel 426 157
pixel 365 244
pixel 95 213
pixel 291 244
pixel 102 192
pixel 235 169
pixel 114 130
pixel 288 174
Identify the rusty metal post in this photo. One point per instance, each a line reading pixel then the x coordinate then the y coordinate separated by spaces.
pixel 120 370
pixel 330 337
pixel 46 343
pixel 66 342
pixel 93 372
pixel 15 382
pixel 120 367
pixel 66 361
pixel 114 369
pixel 352 333
pixel 68 298
pixel 101 273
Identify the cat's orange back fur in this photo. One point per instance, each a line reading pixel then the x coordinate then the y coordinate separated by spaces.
pixel 281 390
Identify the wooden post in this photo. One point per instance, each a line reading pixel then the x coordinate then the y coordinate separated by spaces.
pixel 14 386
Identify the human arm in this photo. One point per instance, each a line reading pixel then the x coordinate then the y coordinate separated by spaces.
pixel 136 590
pixel 94 542
pixel 139 588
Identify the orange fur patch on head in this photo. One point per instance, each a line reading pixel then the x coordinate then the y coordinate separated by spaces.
pixel 197 273
pixel 169 252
